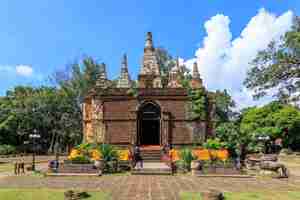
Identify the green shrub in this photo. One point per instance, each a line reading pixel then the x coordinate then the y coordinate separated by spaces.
pixel 81 159
pixel 214 144
pixel 187 157
pixel 6 149
pixel 108 152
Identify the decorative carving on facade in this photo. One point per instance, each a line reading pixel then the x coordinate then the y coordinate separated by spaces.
pixel 150 65
pixel 174 77
pixel 102 81
pixel 111 115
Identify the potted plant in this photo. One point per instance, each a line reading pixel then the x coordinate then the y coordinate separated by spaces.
pixel 109 156
pixel 187 157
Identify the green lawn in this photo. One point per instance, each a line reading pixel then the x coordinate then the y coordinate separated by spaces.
pixel 6 167
pixel 248 196
pixel 55 194
pixel 43 194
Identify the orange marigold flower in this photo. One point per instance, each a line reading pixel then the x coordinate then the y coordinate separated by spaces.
pixel 201 154
pixel 223 154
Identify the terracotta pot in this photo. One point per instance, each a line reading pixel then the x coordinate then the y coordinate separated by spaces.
pixel 99 164
pixel 195 166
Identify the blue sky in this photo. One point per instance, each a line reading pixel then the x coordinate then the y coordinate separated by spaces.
pixel 46 35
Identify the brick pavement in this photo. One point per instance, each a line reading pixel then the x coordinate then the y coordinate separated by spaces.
pixel 152 187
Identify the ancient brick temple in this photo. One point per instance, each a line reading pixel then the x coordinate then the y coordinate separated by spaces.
pixel 150 113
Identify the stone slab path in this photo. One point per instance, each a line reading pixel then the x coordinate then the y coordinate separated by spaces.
pixel 153 165
pixel 152 187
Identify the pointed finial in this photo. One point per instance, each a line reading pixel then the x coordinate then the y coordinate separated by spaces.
pixel 101 77
pixel 124 62
pixel 175 69
pixel 196 74
pixel 124 78
pixel 177 61
pixel 149 43
pixel 196 81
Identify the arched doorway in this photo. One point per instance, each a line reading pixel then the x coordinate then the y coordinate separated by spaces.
pixel 149 124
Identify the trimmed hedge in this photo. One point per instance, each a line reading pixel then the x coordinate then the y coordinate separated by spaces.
pixel 6 149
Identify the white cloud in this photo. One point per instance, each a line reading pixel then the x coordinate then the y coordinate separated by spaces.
pixel 24 70
pixel 223 61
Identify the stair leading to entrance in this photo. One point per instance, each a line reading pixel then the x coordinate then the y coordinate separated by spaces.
pixel 153 164
pixel 152 168
pixel 151 153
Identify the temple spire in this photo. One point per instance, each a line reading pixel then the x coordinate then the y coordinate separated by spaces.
pixel 124 79
pixel 149 42
pixel 196 81
pixel 150 75
pixel 175 76
pixel 196 74
pixel 102 77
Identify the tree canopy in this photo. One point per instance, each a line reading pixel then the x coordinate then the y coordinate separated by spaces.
pixel 277 69
pixel 275 120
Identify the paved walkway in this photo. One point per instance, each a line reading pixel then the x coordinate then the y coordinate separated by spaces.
pixel 152 187
pixel 153 165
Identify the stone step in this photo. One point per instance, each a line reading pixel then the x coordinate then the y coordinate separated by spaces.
pixel 151 160
pixel 153 168
pixel 151 172
pixel 71 174
pixel 151 156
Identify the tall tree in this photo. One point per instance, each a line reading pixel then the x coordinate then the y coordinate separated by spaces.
pixel 224 106
pixel 47 110
pixel 78 78
pixel 278 67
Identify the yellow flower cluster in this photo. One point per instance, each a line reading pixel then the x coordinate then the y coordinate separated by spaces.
pixel 174 155
pixel 202 154
pixel 74 153
pixel 95 154
pixel 124 154
pixel 206 154
pixel 223 154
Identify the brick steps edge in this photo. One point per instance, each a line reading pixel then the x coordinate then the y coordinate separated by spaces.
pixel 71 174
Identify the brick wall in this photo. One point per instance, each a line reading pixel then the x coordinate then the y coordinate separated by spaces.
pixel 119 132
pixel 120 115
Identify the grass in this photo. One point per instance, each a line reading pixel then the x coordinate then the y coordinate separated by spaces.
pixel 248 195
pixel 44 194
pixel 263 195
pixel 190 196
pixel 6 167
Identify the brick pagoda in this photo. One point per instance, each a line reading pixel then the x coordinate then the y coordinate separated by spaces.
pixel 149 114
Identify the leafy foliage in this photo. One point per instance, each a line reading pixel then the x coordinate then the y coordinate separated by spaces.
pixel 46 110
pixel 214 143
pixel 275 120
pixel 199 103
pixel 224 106
pixel 277 67
pixel 6 149
pixel 186 157
pixel 166 63
pixel 108 152
pixel 234 139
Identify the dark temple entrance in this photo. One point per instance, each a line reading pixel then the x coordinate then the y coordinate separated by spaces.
pixel 149 124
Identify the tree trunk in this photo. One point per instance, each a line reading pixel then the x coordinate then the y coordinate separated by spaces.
pixel 50 150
